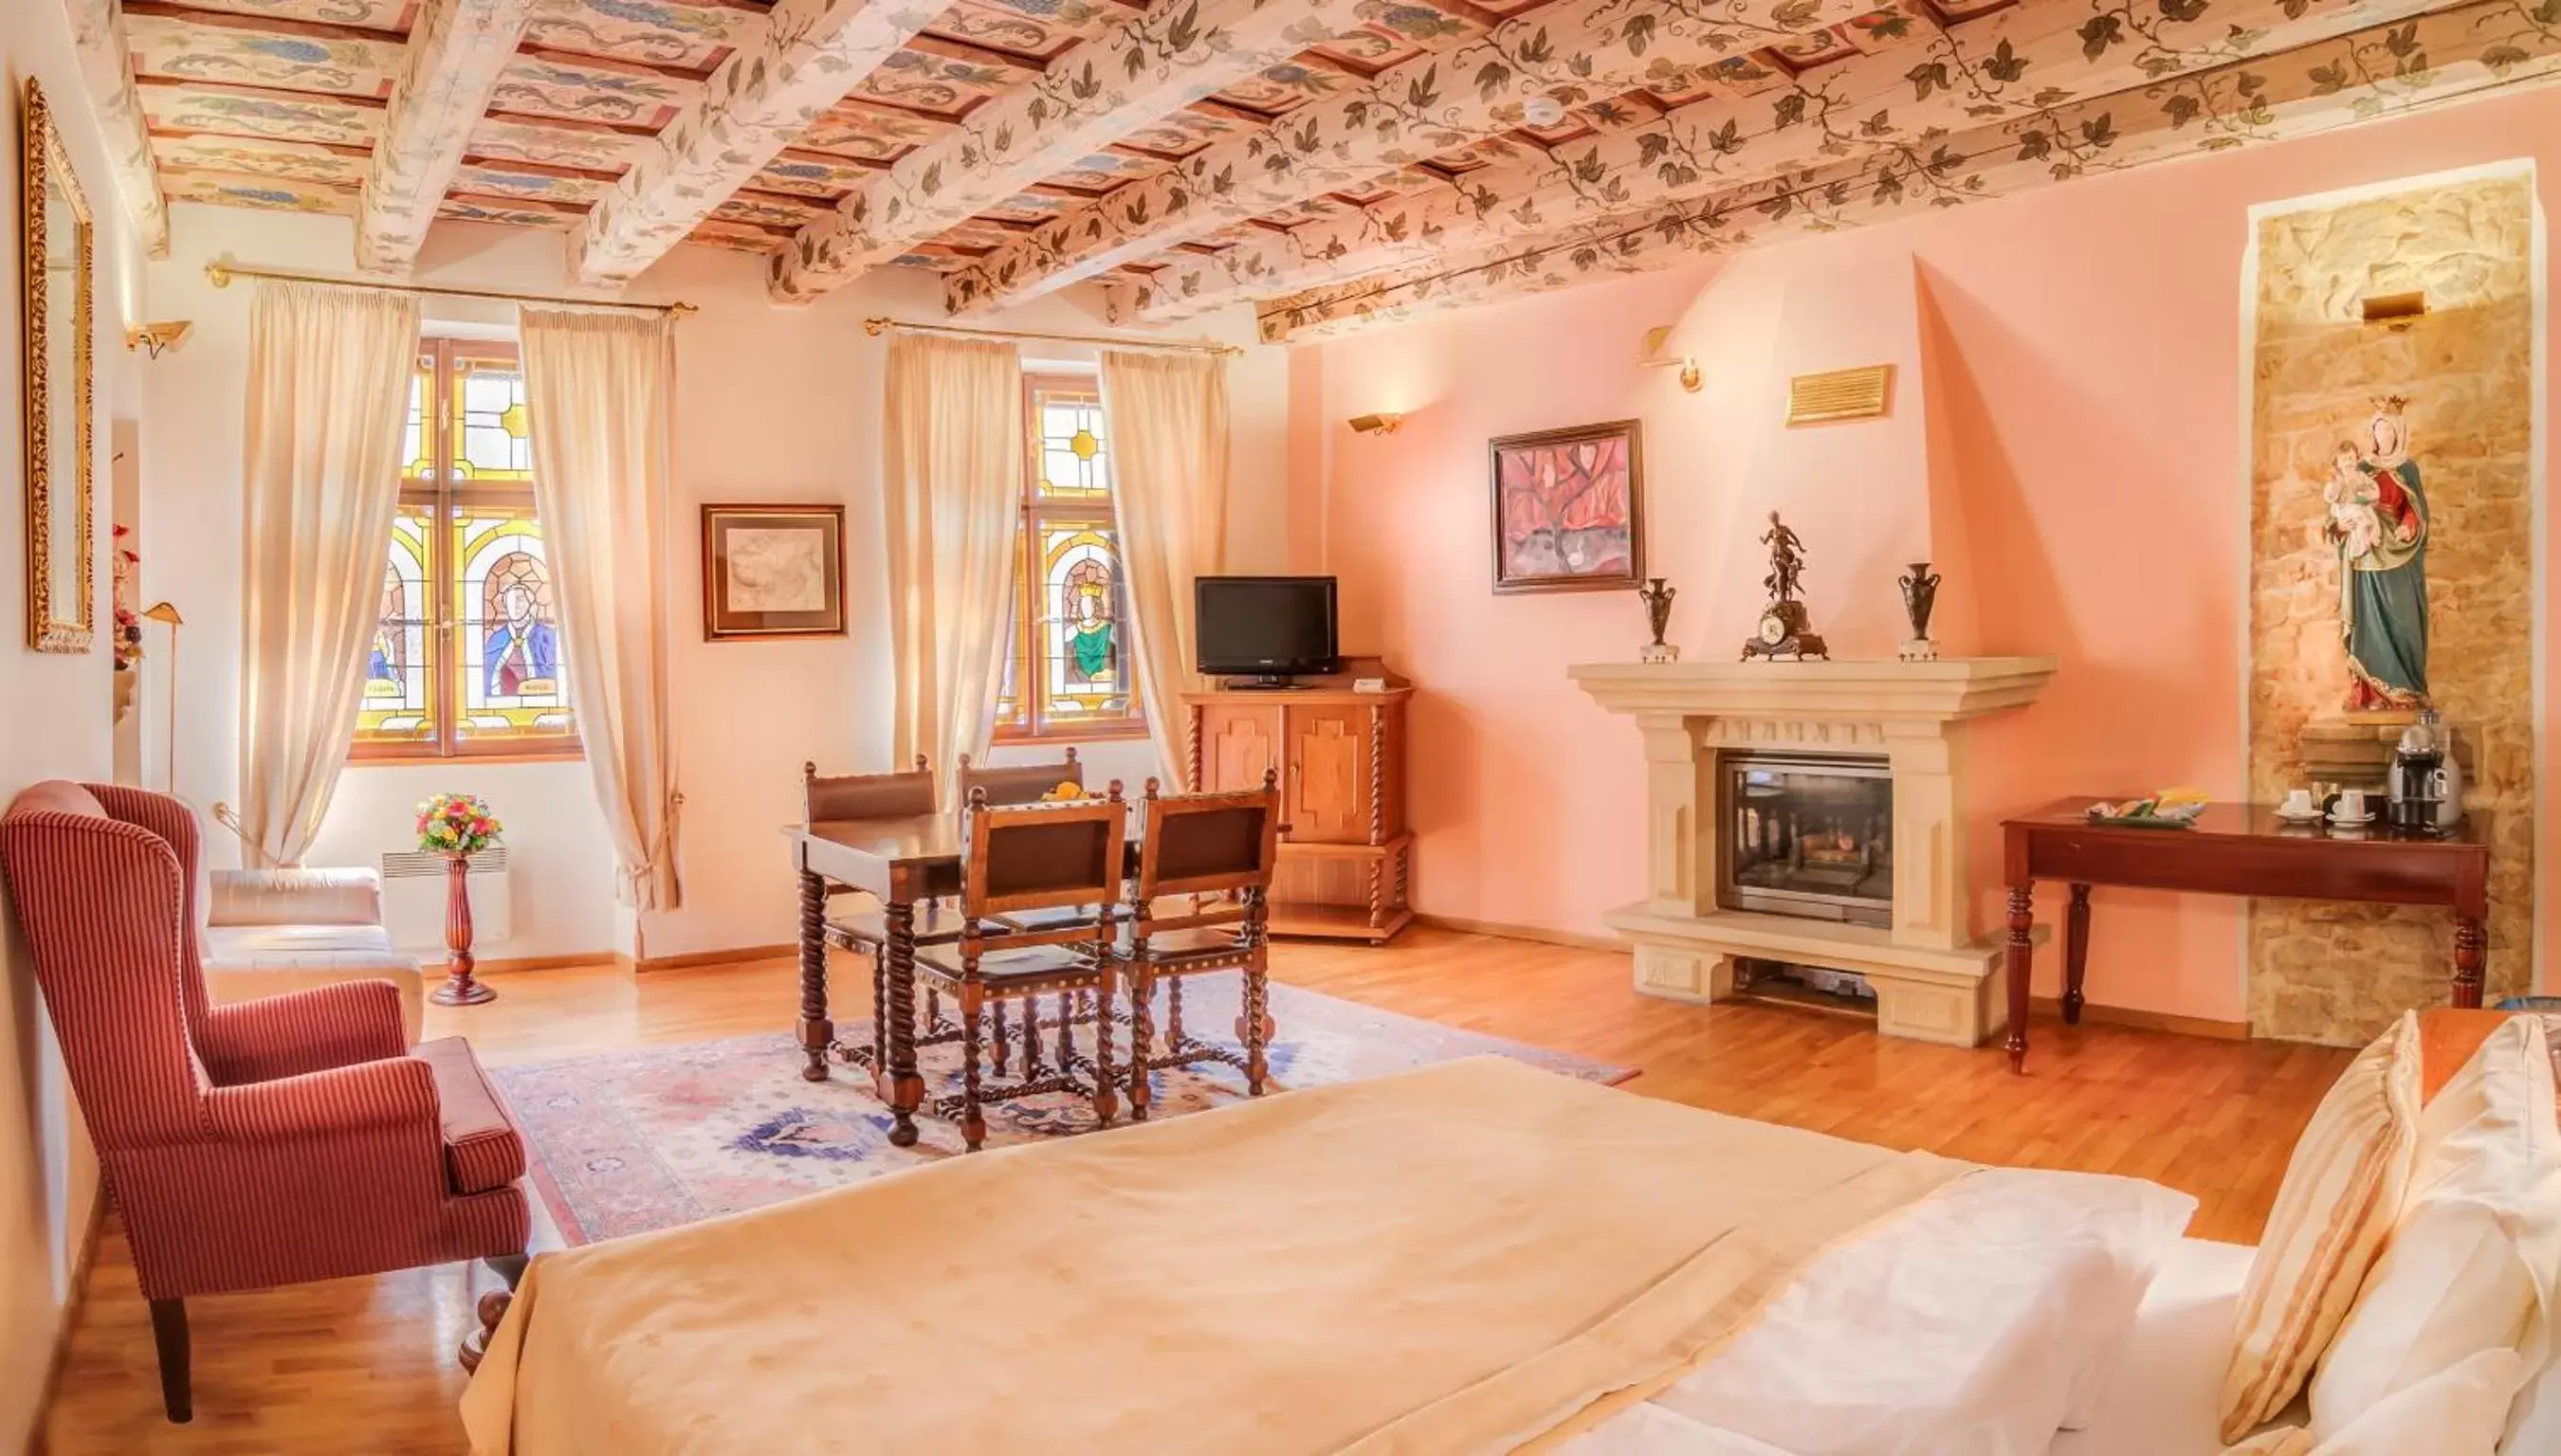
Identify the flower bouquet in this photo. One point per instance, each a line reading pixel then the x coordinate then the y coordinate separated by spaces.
pixel 457 824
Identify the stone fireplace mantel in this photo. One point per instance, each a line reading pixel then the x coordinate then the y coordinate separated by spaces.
pixel 1933 980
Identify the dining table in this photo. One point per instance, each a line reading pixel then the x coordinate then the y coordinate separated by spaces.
pixel 903 861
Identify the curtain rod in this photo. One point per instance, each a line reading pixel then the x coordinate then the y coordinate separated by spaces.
pixel 222 270
pixel 879 326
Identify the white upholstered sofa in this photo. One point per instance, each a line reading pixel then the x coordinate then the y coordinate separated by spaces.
pixel 271 930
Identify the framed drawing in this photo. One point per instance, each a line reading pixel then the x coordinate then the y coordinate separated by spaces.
pixel 1566 513
pixel 773 571
pixel 60 510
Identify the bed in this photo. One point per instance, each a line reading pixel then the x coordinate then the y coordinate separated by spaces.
pixel 1477 1256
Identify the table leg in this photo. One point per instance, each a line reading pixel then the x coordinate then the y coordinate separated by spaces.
pixel 817 1032
pixel 2472 945
pixel 900 1085
pixel 2023 951
pixel 2075 952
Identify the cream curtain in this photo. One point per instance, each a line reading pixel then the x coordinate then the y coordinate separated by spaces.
pixel 953 458
pixel 1167 414
pixel 599 394
pixel 328 390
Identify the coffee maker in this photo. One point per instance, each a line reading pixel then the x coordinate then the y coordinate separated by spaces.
pixel 2425 792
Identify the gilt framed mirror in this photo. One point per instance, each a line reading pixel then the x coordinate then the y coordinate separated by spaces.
pixel 59 283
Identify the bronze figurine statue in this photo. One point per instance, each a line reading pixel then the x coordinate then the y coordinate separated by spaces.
pixel 1784 631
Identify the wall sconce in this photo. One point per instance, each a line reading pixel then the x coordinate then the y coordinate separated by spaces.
pixel 159 338
pixel 2395 311
pixel 1655 358
pixel 1376 423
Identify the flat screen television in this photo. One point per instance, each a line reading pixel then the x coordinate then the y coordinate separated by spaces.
pixel 1266 628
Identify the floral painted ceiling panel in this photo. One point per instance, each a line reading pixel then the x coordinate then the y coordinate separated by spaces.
pixel 616 94
pixel 236 52
pixel 938 86
pixel 1037 30
pixel 811 174
pixel 873 133
pixel 181 110
pixel 282 160
pixel 552 143
pixel 521 183
pixel 652 32
pixel 268 194
pixel 394 16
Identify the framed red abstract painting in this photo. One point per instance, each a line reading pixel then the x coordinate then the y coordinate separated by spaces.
pixel 1567 516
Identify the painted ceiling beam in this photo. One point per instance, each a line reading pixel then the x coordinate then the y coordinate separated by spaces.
pixel 2029 56
pixel 106 74
pixel 759 102
pixel 456 50
pixel 1575 51
pixel 2370 75
pixel 1094 93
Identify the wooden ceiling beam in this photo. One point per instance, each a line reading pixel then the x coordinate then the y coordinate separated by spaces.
pixel 2320 87
pixel 1982 73
pixel 456 50
pixel 758 102
pixel 107 75
pixel 1094 93
pixel 1582 50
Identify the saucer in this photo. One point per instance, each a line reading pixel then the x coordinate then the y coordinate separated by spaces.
pixel 2308 816
pixel 2345 823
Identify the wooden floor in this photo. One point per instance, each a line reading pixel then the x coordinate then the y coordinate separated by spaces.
pixel 364 1365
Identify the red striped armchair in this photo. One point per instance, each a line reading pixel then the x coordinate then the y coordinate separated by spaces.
pixel 268 1142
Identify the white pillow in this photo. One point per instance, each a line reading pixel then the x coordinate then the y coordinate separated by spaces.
pixel 2534 1423
pixel 2453 1413
pixel 2472 1260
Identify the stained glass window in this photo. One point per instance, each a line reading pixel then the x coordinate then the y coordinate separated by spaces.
pixel 1069 674
pixel 467 656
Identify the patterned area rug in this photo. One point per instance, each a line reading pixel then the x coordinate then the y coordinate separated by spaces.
pixel 630 1141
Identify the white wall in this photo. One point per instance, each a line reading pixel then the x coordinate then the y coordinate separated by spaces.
pixel 55 722
pixel 773 404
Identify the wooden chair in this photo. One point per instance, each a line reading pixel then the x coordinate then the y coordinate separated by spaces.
pixel 897 795
pixel 1018 784
pixel 1218 850
pixel 1033 858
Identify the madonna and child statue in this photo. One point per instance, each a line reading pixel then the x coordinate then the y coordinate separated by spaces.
pixel 2377 519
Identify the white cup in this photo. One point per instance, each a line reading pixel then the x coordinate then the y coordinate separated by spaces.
pixel 2352 803
pixel 2299 802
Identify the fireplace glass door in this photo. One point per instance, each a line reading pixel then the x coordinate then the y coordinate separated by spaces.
pixel 1808 836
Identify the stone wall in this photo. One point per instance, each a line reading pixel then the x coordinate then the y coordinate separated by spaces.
pixel 2338 973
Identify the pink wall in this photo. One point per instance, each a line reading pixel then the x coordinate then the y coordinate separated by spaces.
pixel 2071 360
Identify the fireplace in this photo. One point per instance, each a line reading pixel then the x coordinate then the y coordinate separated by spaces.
pixel 1808 835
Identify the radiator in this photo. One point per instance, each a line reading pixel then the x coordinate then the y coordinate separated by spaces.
pixel 413 897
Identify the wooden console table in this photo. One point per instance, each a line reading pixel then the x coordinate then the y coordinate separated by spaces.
pixel 2235 849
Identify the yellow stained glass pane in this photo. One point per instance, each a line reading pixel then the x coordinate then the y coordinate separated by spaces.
pixel 506 638
pixel 490 442
pixel 1071 450
pixel 398 703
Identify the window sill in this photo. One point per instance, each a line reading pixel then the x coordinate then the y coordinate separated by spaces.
pixel 458 760
pixel 1063 736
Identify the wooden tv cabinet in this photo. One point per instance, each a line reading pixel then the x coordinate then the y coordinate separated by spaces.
pixel 1347 859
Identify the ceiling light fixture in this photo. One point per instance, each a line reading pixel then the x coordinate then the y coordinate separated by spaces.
pixel 1542 110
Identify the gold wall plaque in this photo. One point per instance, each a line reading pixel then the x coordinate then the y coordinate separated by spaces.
pixel 1842 393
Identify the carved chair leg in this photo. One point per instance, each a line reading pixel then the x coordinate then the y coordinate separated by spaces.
pixel 1066 1031
pixel 1002 1041
pixel 880 1010
pixel 1142 1039
pixel 973 1125
pixel 1107 1097
pixel 1031 1037
pixel 1256 1029
pixel 1174 1039
pixel 933 1010
pixel 169 1334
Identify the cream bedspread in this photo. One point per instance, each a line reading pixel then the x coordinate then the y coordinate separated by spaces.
pixel 1459 1259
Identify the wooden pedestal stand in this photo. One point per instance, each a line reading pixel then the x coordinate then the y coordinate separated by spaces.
pixel 458 988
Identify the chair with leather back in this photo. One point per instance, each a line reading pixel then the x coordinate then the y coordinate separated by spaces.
pixel 275 1141
pixel 1200 904
pixel 1035 858
pixel 1018 784
pixel 904 794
